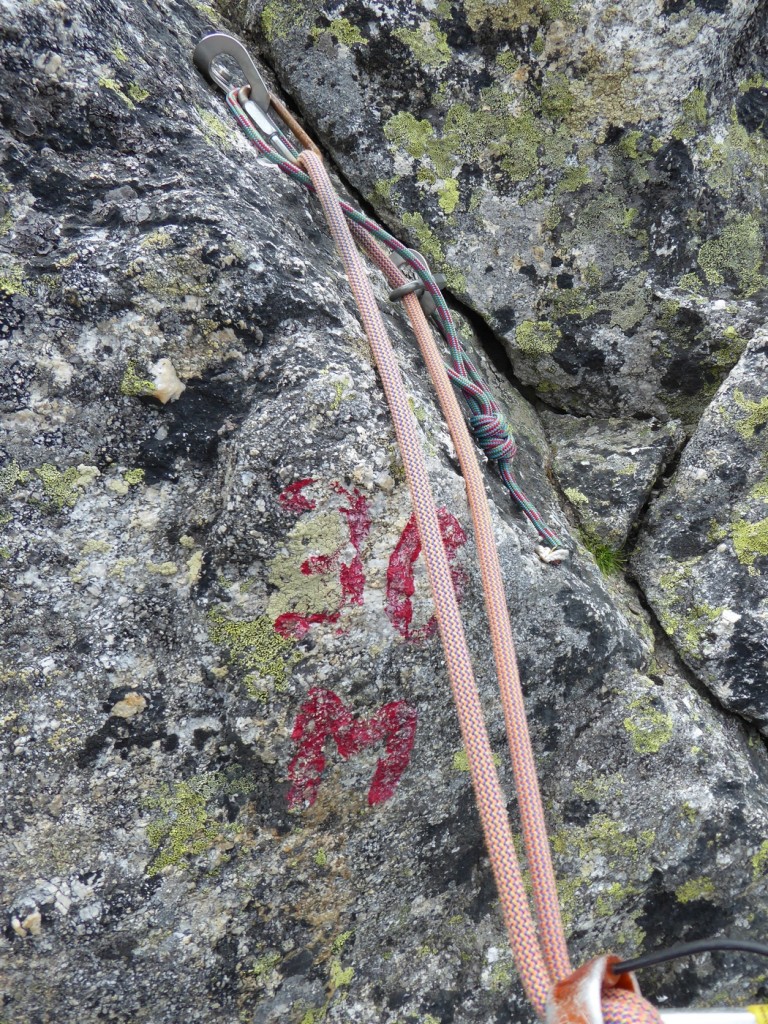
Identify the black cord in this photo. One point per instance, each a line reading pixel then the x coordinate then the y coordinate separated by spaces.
pixel 689 949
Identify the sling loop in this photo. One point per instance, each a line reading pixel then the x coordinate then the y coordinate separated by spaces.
pixel 461 370
pixel 592 995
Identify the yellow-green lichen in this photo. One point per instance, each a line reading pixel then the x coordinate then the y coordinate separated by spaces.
pixel 157 240
pixel 508 62
pixel 630 303
pixel 757 414
pixel 572 302
pixel 694 625
pixel 115 87
pixel 210 12
pixel 265 966
pixel 216 132
pixel 119 53
pixel 533 194
pixel 63 488
pixel 760 860
pixel 133 385
pixel 495 128
pixel 512 14
pixel 575 496
pixel 321 858
pixel 427 241
pixel 627 145
pixel 162 568
pixel 649 728
pixel 12 281
pixel 691 283
pixel 340 390
pixel 186 829
pixel 133 477
pixel 573 179
pixel 759 492
pixel 738 251
pixel 428 43
pixel 448 195
pixel 689 811
pixel 694 116
pixel 408 133
pixel 734 344
pixel 11 475
pixel 460 761
pixel 602 836
pixel 383 189
pixel 537 337
pixel 611 900
pixel 557 99
pixel 750 540
pixel 137 92
pixel 695 889
pixel 340 977
pixel 254 646
pixel 343 31
pixel 280 17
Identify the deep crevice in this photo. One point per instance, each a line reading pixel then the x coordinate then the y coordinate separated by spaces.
pixel 488 340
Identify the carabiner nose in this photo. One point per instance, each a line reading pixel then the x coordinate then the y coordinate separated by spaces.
pixel 218 44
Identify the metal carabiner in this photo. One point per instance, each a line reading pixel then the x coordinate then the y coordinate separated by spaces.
pixel 256 102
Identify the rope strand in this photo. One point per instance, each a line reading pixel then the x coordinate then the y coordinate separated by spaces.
pixel 593 994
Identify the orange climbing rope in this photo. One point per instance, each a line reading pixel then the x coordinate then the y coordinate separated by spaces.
pixel 542 959
pixel 603 991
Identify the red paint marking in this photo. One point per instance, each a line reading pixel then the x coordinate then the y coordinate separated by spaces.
pixel 352 580
pixel 356 514
pixel 400 582
pixel 293 500
pixel 294 626
pixel 315 564
pixel 351 577
pixel 324 717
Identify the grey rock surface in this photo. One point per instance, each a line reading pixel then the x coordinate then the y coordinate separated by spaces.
pixel 607 468
pixel 591 176
pixel 703 556
pixel 153 865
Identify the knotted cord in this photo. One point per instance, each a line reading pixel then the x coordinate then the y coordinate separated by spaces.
pixel 462 371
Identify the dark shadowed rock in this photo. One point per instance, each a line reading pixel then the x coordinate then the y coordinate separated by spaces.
pixel 703 555
pixel 606 469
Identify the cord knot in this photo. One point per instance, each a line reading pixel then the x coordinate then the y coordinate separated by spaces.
pixel 493 435
pixel 595 995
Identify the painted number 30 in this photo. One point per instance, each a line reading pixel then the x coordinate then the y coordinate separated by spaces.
pixel 323 716
pixel 350 573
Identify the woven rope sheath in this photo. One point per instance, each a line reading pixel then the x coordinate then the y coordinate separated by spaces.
pixel 540 972
pixel 524 767
pixel 493 812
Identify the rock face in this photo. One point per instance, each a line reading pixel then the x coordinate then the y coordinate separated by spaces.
pixel 591 177
pixel 607 468
pixel 194 591
pixel 702 558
